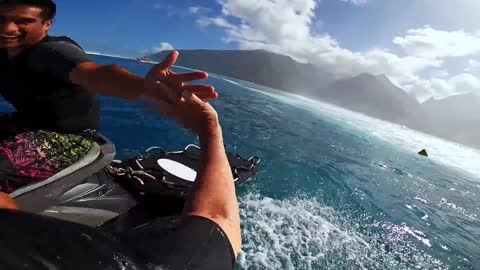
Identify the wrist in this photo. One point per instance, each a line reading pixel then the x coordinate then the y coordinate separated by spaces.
pixel 211 134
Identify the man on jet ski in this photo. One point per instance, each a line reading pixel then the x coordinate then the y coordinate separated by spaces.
pixel 207 236
pixel 52 83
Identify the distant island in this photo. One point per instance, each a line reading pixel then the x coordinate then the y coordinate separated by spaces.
pixel 455 118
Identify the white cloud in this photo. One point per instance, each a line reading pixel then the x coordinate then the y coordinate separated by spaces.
pixel 441 88
pixel 356 2
pixel 439 73
pixel 164 46
pixel 474 63
pixel 288 27
pixel 171 10
pixel 217 21
pixel 194 10
pixel 430 43
pixel 466 83
pixel 473 67
pixel 198 10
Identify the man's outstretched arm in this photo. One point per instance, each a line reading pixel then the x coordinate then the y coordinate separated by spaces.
pixel 213 195
pixel 114 80
pixel 110 80
pixel 70 63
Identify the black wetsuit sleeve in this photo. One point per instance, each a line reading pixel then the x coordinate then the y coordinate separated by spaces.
pixel 29 241
pixel 193 243
pixel 32 242
pixel 57 58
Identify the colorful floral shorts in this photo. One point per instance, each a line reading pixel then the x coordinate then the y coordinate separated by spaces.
pixel 34 156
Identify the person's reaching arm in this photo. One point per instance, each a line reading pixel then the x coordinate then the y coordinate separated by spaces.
pixel 113 80
pixel 213 195
pixel 70 63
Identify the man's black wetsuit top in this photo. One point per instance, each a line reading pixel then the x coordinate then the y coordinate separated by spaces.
pixel 37 242
pixel 36 83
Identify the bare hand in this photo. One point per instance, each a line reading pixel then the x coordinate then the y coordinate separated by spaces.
pixel 192 113
pixel 175 83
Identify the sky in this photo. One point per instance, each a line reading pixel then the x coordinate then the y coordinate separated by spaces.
pixel 430 48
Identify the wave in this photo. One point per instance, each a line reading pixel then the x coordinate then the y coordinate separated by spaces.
pixel 109 55
pixel 440 150
pixel 186 68
pixel 299 233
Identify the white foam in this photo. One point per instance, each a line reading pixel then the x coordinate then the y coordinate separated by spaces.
pixel 458 209
pixel 299 233
pixel 397 234
pixel 448 153
pixel 419 235
pixel 421 200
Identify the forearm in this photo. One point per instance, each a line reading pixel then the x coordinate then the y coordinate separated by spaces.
pixel 213 195
pixel 111 80
pixel 214 184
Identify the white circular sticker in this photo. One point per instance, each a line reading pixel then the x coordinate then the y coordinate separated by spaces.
pixel 178 169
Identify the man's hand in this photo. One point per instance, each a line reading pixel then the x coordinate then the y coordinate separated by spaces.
pixel 175 83
pixel 193 113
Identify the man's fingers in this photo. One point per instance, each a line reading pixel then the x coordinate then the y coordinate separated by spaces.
pixel 206 96
pixel 185 77
pixel 160 90
pixel 168 61
pixel 197 88
pixel 191 98
pixel 201 90
pixel 164 65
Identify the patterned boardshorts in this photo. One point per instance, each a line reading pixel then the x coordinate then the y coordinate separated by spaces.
pixel 34 156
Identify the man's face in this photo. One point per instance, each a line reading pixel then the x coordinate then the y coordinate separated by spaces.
pixel 21 26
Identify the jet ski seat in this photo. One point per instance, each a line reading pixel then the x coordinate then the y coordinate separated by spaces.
pixel 172 174
pixel 40 196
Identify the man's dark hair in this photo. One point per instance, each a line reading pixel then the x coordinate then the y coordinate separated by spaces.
pixel 48 6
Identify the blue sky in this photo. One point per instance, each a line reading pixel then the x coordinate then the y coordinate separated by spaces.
pixel 426 47
pixel 128 26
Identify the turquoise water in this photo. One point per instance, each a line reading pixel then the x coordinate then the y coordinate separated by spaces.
pixel 336 190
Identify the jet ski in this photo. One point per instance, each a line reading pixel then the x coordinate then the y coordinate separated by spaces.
pixel 102 192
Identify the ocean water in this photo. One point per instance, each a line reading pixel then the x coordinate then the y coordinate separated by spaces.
pixel 336 189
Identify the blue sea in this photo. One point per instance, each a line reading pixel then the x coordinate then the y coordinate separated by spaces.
pixel 336 189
